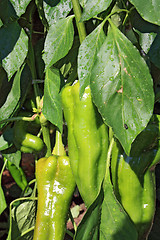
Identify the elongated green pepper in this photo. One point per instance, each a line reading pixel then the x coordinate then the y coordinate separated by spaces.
pixel 87 141
pixel 55 184
pixel 134 182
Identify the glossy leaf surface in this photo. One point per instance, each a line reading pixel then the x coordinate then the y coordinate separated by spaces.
pixel 122 87
pixel 148 9
pixel 59 41
pixel 92 8
pixel 52 108
pixel 87 54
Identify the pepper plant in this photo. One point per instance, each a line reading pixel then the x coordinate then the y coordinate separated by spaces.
pixel 85 73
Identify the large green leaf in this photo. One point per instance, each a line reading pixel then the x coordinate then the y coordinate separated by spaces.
pixel 87 54
pixel 12 98
pixel 17 94
pixel 93 7
pixel 115 223
pixel 23 219
pixel 148 9
pixel 55 11
pixel 122 87
pixel 20 6
pixel 59 41
pixel 106 219
pixel 13 47
pixel 52 108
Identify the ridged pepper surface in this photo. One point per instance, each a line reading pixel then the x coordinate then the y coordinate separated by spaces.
pixel 55 184
pixel 87 141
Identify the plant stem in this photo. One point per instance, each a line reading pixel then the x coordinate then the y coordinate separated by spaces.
pixel 29 119
pixel 109 157
pixel 4 165
pixel 80 25
pixel 31 58
pixel 31 63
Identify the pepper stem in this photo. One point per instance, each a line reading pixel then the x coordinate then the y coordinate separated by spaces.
pixel 80 25
pixel 59 147
pixel 46 134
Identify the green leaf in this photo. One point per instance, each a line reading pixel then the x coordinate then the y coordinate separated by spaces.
pixel 6 139
pixel 3 204
pixel 145 40
pixel 69 62
pixel 5 86
pixel 20 6
pixel 87 54
pixel 122 87
pixel 13 47
pixel 9 35
pixel 23 218
pixel 115 223
pixel 12 98
pixel 52 108
pixel 14 157
pixel 1 23
pixel 154 52
pixel 59 41
pixel 75 211
pixel 141 25
pixel 55 11
pixel 89 225
pixel 148 9
pixel 106 219
pixel 7 12
pixel 93 7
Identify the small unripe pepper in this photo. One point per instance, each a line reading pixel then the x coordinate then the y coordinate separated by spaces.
pixel 24 141
pixel 55 184
pixel 87 141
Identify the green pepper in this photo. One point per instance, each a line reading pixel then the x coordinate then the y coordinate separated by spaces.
pixel 134 181
pixel 24 141
pixel 55 184
pixel 87 141
pixel 18 175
